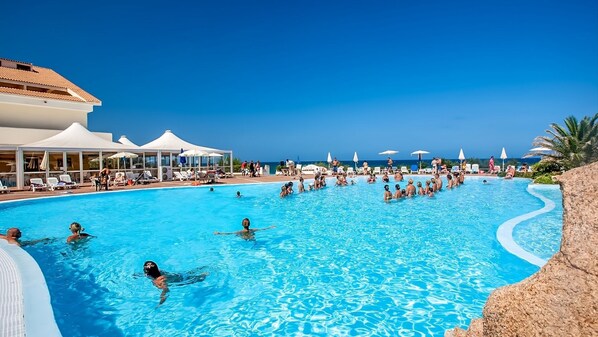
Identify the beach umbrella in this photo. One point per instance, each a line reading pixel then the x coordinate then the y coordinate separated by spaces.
pixel 503 156
pixel 461 156
pixel 355 160
pixel 419 154
pixel 213 155
pixel 44 165
pixel 537 152
pixel 388 152
pixel 329 159
pixel 119 155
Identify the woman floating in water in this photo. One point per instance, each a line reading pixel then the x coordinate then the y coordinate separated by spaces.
pixel 246 233
pixel 161 279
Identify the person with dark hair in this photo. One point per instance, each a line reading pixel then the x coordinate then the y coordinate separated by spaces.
pixel 104 178
pixel 77 234
pixel 301 186
pixel 246 233
pixel 161 279
pixel 12 236
pixel 398 194
pixel 387 193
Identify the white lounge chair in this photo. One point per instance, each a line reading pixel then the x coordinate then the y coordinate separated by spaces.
pixel 350 171
pixel 404 170
pixel 377 170
pixel 37 184
pixel 3 189
pixel 65 178
pixel 180 176
pixel 53 184
pixel 147 175
pixel 475 168
pixel 428 170
pixel 467 168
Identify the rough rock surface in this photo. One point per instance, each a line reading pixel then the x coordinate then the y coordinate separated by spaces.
pixel 561 299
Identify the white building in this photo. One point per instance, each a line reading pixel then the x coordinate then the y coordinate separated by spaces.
pixel 36 105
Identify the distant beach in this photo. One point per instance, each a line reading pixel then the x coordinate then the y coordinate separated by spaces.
pixel 402 162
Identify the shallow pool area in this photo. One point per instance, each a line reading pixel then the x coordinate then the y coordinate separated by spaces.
pixel 340 261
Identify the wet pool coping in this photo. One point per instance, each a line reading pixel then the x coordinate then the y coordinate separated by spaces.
pixel 25 307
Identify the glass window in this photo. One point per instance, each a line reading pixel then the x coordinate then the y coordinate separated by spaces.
pixel 72 160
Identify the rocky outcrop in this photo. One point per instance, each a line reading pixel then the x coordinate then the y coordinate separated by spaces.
pixel 561 299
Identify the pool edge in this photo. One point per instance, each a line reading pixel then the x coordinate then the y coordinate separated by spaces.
pixel 504 233
pixel 37 314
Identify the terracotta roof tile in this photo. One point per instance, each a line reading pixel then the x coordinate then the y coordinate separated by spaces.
pixel 43 76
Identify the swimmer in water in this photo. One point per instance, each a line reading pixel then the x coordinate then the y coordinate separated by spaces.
pixel 161 279
pixel 246 233
pixel 77 234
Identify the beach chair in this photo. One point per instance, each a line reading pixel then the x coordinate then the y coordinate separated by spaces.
pixel 455 168
pixel 147 175
pixel 119 179
pixel 428 170
pixel 65 178
pixel 350 171
pixel 36 184
pixel 414 169
pixel 467 168
pixel 180 176
pixel 3 189
pixel 404 170
pixel 54 184
pixel 377 170
pixel 497 169
pixel 475 168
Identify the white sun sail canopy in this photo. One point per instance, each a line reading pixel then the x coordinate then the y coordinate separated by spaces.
pixel 172 143
pixel 77 137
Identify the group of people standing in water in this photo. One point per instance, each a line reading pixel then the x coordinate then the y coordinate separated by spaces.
pixel 431 187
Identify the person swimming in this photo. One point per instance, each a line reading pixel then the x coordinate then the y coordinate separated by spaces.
pixel 12 236
pixel 77 230
pixel 246 233
pixel 161 279
pixel 238 194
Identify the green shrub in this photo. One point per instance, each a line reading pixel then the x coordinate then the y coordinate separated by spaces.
pixel 501 174
pixel 524 175
pixel 544 179
pixel 545 166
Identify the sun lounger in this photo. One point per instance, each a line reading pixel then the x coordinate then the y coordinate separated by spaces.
pixel 377 170
pixel 65 178
pixel 180 176
pixel 414 169
pixel 467 168
pixel 404 170
pixel 54 184
pixel 428 170
pixel 147 175
pixel 475 168
pixel 36 184
pixel 3 189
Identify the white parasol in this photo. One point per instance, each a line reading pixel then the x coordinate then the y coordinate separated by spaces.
pixel 503 156
pixel 355 160
pixel 419 154
pixel 120 155
pixel 388 152
pixel 44 164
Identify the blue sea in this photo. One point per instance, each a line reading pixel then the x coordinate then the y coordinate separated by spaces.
pixel 402 162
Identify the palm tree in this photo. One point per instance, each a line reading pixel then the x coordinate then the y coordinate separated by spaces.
pixel 571 146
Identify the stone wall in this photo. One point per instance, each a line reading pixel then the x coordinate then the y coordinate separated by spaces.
pixel 561 299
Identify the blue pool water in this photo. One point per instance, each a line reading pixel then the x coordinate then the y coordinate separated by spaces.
pixel 339 262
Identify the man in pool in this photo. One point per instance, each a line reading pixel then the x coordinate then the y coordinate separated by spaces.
pixel 12 236
pixel 246 233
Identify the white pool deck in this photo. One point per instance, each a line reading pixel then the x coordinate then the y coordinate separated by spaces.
pixel 25 308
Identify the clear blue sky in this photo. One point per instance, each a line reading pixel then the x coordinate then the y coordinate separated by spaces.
pixel 280 79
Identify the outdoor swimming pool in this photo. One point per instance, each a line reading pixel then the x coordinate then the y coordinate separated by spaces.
pixel 340 262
